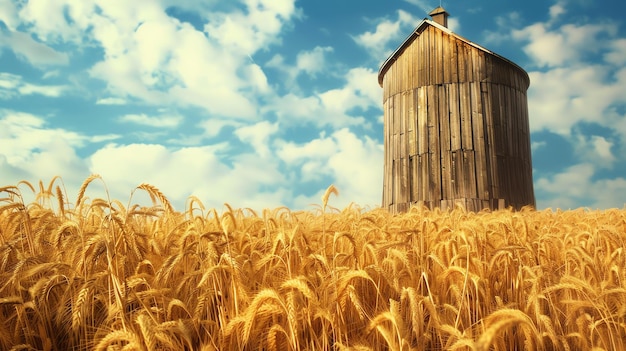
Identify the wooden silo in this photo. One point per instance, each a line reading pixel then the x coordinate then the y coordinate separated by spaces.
pixel 455 124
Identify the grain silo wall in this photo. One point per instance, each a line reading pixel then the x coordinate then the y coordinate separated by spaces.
pixel 455 126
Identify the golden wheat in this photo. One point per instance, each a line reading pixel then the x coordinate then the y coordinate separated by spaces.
pixel 98 275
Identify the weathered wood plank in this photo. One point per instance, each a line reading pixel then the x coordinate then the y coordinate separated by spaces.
pixel 466 117
pixel 455 117
pixel 469 64
pixel 454 60
pixel 458 165
pixel 447 184
pixel 412 123
pixel 434 150
pixel 469 173
pixel 486 89
pixel 479 141
pixel 414 180
pixel 446 48
pixel 422 121
pixel 443 111
pixel 424 193
pixel 437 56
pixel 403 189
pixel 461 61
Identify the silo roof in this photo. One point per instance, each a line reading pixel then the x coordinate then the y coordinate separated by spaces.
pixel 417 31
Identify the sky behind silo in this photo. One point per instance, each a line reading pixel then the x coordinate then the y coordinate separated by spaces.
pixel 262 103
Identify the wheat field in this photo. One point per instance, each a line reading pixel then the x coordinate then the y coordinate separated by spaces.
pixel 96 274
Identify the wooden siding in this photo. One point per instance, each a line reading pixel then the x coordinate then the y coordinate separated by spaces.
pixel 456 127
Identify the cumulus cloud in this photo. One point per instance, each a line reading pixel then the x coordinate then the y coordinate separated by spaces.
pixel 27 48
pixel 213 126
pixel 616 54
pixel 160 121
pixel 111 101
pixel 200 171
pixel 39 152
pixel 594 150
pixel 8 14
pixel 568 43
pixel 562 97
pixel 580 186
pixel 312 62
pixel 258 136
pixel 354 163
pixel 337 107
pixel 155 58
pixel 307 62
pixel 12 85
pixel 387 35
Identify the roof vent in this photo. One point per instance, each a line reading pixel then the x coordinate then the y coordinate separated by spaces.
pixel 440 15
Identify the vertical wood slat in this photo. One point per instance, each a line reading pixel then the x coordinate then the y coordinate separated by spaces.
pixel 479 141
pixel 460 186
pixel 446 63
pixel 444 142
pixel 461 61
pixel 422 121
pixel 412 123
pixel 489 138
pixel 466 117
pixel 455 119
pixel 413 173
pixel 434 148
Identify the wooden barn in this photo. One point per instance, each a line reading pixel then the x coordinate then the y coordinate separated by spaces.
pixel 455 124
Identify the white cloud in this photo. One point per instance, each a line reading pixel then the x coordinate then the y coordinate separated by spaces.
pixel 247 32
pixel 566 44
pixel 387 35
pixel 258 136
pixel 334 107
pixel 159 60
pixel 26 132
pixel 505 25
pixel 580 186
pixel 309 62
pixel 454 24
pixel 293 153
pixel 248 182
pixel 365 82
pixel 213 126
pixel 36 53
pixel 12 85
pixel 39 152
pixel 562 97
pixel 617 52
pixel 9 81
pixel 536 145
pixel 314 61
pixel 557 10
pixel 8 14
pixel 602 148
pixel 111 101
pixel 355 164
pixel 45 90
pixel 162 121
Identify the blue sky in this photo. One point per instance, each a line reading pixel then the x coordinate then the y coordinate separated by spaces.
pixel 263 103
